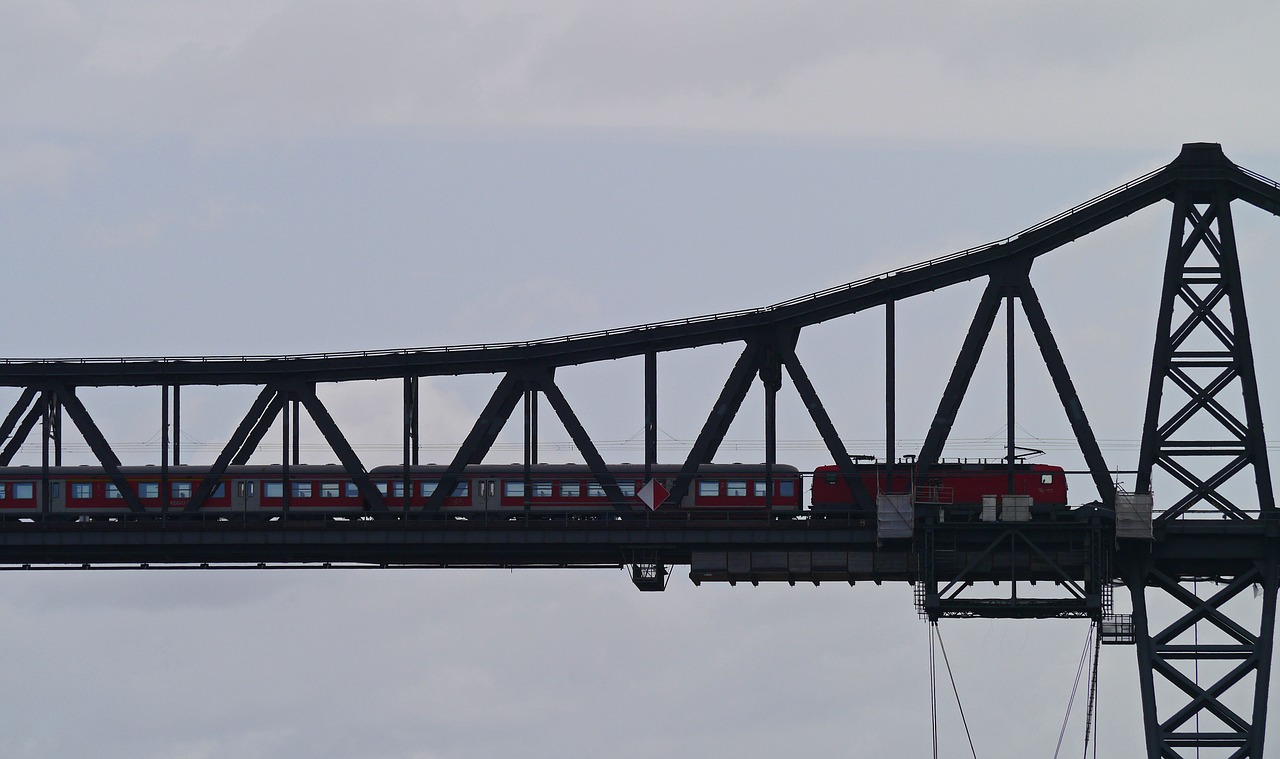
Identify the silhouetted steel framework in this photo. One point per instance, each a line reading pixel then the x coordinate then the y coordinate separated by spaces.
pixel 1206 437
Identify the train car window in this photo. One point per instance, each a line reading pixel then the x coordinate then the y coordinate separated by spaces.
pixel 570 489
pixel 787 488
pixel 352 490
pixel 381 486
pixel 148 490
pixel 708 487
pixel 513 489
pixel 735 488
pixel 180 489
pixel 542 490
pixel 81 490
pixel 757 489
pixel 594 490
pixel 461 490
pixel 24 490
pixel 2 490
pixel 112 490
pixel 273 490
pixel 428 488
pixel 397 489
pixel 628 487
pixel 1046 479
pixel 219 490
pixel 330 490
pixel 300 489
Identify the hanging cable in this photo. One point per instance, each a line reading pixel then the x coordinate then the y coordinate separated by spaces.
pixel 1195 632
pixel 954 689
pixel 933 694
pixel 1084 659
pixel 1091 713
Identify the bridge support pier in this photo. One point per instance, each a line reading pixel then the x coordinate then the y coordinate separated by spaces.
pixel 1214 664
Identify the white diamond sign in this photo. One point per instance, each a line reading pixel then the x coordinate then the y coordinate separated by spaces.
pixel 653 494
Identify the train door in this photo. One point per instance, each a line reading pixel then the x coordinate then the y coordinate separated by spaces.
pixel 245 497
pixel 487 494
pixel 57 499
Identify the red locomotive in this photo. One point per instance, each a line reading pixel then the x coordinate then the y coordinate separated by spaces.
pixel 957 486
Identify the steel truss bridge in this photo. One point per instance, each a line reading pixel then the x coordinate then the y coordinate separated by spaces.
pixel 1202 415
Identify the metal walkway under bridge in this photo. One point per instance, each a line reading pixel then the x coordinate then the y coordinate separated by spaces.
pixel 1197 549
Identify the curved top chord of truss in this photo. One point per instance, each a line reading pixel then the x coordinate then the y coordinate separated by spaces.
pixel 1198 163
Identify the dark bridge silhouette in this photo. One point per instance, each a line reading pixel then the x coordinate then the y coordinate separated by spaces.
pixel 1203 428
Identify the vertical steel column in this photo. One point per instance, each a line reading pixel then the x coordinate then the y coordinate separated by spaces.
pixel 286 488
pixel 57 432
pixel 1010 393
pixel 530 441
pixel 297 432
pixel 164 450
pixel 650 413
pixel 771 378
pixel 890 397
pixel 410 412
pixel 177 425
pixel 47 400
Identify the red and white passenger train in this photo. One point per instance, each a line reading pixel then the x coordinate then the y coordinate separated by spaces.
pixel 327 490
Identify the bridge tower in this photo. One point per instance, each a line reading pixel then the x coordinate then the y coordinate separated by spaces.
pixel 1204 656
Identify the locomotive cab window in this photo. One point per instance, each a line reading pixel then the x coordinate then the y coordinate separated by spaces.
pixel 708 487
pixel 1046 479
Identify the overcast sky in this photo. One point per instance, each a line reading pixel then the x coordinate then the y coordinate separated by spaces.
pixel 281 177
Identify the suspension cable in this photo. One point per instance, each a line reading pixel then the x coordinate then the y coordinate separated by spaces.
pixel 954 689
pixel 933 694
pixel 1080 669
pixel 1091 713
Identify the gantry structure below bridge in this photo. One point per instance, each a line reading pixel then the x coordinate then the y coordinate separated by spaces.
pixel 1197 550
